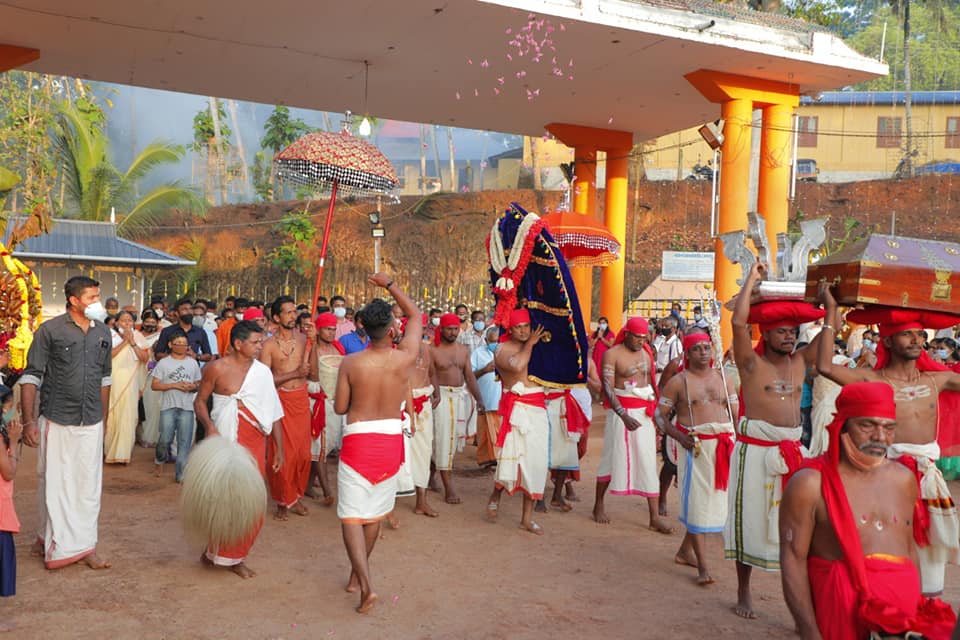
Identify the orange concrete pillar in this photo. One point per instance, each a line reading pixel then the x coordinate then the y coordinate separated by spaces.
pixel 734 188
pixel 12 57
pixel 773 187
pixel 615 219
pixel 584 202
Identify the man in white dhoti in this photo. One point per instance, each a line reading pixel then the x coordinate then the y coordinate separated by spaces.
pixel 768 435
pixel 246 410
pixel 704 404
pixel 69 360
pixel 524 432
pixel 928 410
pixel 628 465
pixel 372 386
pixel 451 417
pixel 325 425
pixel 421 413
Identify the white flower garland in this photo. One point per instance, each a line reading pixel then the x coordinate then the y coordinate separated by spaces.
pixel 497 259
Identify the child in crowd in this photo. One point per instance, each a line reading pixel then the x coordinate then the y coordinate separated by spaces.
pixel 10 429
pixel 177 378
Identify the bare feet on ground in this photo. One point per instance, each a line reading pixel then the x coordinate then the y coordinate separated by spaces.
pixel 662 509
pixel 571 494
pixel 704 579
pixel 243 571
pixel 561 505
pixel 600 516
pixel 688 559
pixel 491 511
pixel 660 526
pixel 451 498
pixel 94 562
pixel 392 521
pixel 367 602
pixel 533 527
pixel 299 509
pixel 313 493
pixel 353 584
pixel 157 470
pixel 540 506
pixel 425 510
pixel 744 608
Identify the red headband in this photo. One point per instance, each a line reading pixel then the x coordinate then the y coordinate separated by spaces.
pixel 893 320
pixel 637 326
pixel 446 320
pixel 783 313
pixel 691 340
pixel 859 400
pixel 326 319
pixel 519 316
pixel 252 314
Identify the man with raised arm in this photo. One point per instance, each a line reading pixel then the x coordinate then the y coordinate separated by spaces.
pixel 768 435
pixel 246 410
pixel 371 389
pixel 846 530
pixel 629 462
pixel 705 405
pixel 924 422
pixel 524 431
pixel 422 378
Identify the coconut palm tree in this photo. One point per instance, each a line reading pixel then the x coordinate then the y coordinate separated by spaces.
pixel 95 187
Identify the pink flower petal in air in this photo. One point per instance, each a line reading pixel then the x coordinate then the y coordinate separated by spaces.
pixel 562 27
pixel 500 80
pixel 509 57
pixel 469 61
pixel 610 121
pixel 495 90
pixel 484 63
pixel 458 95
pixel 508 31
pixel 476 93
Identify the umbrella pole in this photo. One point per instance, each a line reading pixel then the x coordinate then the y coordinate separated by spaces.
pixel 323 246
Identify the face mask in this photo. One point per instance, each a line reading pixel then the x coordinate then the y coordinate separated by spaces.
pixel 492 346
pixel 158 313
pixel 859 459
pixel 943 354
pixel 9 416
pixel 435 322
pixel 479 325
pixel 340 312
pixel 664 331
pixel 698 317
pixel 147 328
pixel 198 321
pixel 602 326
pixel 867 344
pixel 95 311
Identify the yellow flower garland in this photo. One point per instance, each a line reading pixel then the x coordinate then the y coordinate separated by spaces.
pixel 20 343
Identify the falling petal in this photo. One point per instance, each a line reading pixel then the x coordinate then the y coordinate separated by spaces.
pixel 554 61
pixel 484 64
pixel 476 93
pixel 396 599
pixel 500 80
pixel 509 57
pixel 610 121
pixel 508 31
pixel 469 61
pixel 562 27
pixel 570 64
pixel 495 90
pixel 458 95
pixel 569 77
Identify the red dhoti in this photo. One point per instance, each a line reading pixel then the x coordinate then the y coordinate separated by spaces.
pixel 252 439
pixel 488 424
pixel 288 484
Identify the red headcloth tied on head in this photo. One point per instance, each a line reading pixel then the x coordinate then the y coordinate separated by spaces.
pixel 691 340
pixel 252 314
pixel 517 316
pixel 446 320
pixel 859 400
pixel 781 313
pixel 637 326
pixel 893 320
pixel 326 319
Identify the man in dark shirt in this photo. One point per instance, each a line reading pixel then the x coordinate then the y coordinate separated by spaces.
pixel 196 336
pixel 69 360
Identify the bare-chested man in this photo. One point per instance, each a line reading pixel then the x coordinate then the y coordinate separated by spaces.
pixel 846 525
pixel 704 404
pixel 771 379
pixel 329 348
pixel 371 388
pixel 246 409
pixel 525 429
pixel 287 355
pixel 454 377
pixel 422 386
pixel 917 383
pixel 629 462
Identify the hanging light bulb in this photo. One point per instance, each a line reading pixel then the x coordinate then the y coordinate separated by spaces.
pixel 365 127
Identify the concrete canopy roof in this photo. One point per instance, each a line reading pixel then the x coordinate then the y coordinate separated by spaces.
pixel 629 56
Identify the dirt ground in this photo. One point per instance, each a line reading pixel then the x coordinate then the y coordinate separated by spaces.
pixel 455 576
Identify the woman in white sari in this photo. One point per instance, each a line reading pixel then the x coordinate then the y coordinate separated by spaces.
pixel 121 427
pixel 150 427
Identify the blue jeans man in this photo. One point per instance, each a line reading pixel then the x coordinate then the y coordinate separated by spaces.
pixel 181 422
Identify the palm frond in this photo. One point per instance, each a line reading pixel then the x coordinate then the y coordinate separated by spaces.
pixel 158 152
pixel 151 208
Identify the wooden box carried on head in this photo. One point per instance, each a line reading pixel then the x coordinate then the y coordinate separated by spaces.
pixel 892 270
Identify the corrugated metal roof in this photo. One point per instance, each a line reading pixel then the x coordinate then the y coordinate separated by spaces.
pixel 95 242
pixel 874 98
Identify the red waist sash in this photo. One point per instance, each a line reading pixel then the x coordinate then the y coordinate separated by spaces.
pixel 721 475
pixel 375 456
pixel 419 402
pixel 576 419
pixel 633 402
pixel 789 449
pixel 318 418
pixel 507 400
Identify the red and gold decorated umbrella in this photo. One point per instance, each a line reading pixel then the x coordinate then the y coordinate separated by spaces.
pixel 583 241
pixel 340 161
